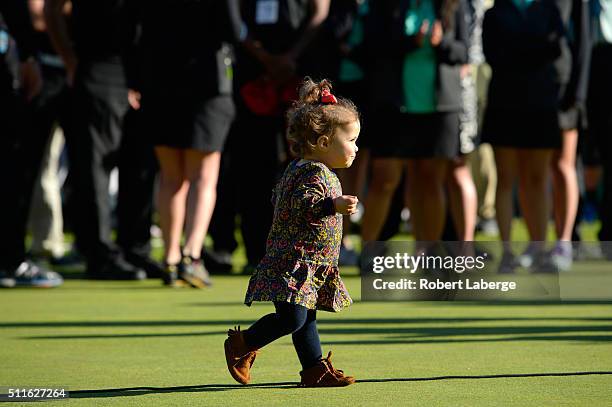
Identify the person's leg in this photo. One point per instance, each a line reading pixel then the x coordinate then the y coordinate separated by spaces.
pixel 218 258
pixel 307 343
pixel 93 142
pixel 463 200
pixel 533 190
pixel 137 173
pixel 258 165
pixel 172 199
pixel 20 154
pixel 505 159
pixel 46 220
pixel 241 346
pixel 565 185
pixel 488 181
pixel 605 232
pixel 386 175
pixel 430 201
pixel 287 319
pixel 15 181
pixel 49 111
pixel 202 172
pixel 222 222
pixel 410 194
pixel 599 112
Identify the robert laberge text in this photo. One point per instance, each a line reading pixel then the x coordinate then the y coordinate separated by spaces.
pixel 425 284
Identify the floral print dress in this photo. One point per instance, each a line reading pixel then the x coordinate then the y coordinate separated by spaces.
pixel 301 261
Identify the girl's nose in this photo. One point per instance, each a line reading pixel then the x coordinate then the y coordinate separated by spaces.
pixel 356 148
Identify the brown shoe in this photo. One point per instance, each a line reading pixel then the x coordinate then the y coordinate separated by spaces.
pixel 239 356
pixel 323 374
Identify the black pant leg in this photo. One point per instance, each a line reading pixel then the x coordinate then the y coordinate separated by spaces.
pixel 99 107
pixel 25 133
pixel 599 111
pixel 259 166
pixel 605 233
pixel 14 179
pixel 307 342
pixel 137 172
pixel 287 319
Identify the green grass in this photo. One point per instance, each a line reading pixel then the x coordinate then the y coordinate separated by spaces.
pixel 109 336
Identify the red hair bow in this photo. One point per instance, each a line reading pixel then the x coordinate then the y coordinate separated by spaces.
pixel 327 97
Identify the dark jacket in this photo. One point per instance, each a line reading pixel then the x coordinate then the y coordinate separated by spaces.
pixel 388 45
pixel 573 64
pixel 183 48
pixel 522 48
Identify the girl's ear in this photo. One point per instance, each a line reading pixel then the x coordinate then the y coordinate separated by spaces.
pixel 323 142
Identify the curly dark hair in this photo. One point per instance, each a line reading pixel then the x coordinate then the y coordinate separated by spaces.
pixel 309 118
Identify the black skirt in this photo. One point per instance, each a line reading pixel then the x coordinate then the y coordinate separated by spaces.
pixel 416 136
pixel 521 129
pixel 199 125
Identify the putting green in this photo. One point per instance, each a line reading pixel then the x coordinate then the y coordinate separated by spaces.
pixel 168 343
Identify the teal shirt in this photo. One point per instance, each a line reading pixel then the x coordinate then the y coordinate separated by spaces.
pixel 419 71
pixel 349 70
pixel 522 4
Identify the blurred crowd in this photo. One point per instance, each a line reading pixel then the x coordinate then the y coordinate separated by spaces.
pixel 118 116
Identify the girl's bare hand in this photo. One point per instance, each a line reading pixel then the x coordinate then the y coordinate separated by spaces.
pixel 346 204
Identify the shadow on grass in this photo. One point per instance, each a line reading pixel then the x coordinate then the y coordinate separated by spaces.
pixel 139 391
pixel 335 321
pixel 78 272
pixel 413 336
pixel 386 331
pixel 419 341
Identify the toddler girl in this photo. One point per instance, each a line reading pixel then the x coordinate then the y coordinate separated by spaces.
pixel 299 273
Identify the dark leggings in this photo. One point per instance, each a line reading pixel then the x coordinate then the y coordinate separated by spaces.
pixel 292 319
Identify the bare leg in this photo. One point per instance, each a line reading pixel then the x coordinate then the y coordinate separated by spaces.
pixel 386 175
pixel 505 159
pixel 410 196
pixel 430 199
pixel 463 200
pixel 202 170
pixel 533 191
pixel 565 185
pixel 172 197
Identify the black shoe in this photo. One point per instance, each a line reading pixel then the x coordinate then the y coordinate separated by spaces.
pixel 150 266
pixel 217 262
pixel 115 269
pixel 70 259
pixel 193 272
pixel 170 275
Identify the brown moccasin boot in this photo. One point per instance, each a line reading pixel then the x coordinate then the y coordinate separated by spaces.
pixel 323 374
pixel 239 356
